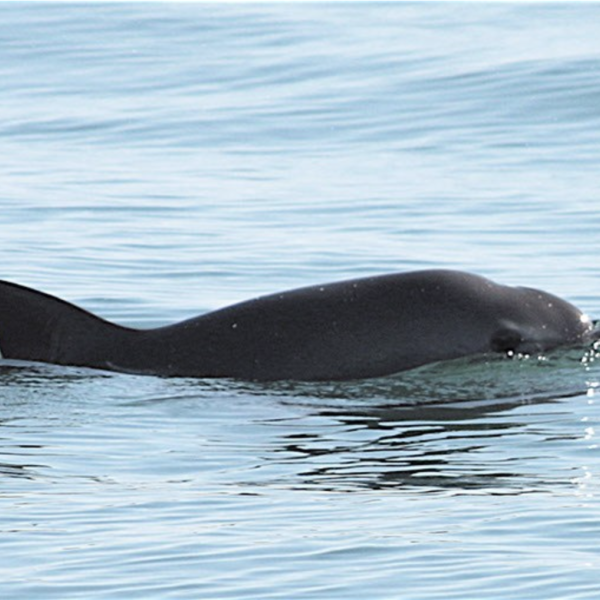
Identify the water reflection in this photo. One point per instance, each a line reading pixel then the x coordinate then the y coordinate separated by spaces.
pixel 467 426
pixel 384 450
pixel 19 471
pixel 470 426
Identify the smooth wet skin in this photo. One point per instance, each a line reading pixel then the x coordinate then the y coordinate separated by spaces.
pixel 353 329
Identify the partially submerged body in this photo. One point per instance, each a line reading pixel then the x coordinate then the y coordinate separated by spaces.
pixel 353 329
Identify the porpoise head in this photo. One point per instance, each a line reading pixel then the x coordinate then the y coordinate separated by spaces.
pixel 538 321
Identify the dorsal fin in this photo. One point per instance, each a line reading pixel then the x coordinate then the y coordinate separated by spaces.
pixel 37 326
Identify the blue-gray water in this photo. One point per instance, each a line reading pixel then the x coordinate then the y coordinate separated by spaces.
pixel 162 160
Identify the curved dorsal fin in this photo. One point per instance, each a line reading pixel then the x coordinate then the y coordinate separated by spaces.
pixel 37 326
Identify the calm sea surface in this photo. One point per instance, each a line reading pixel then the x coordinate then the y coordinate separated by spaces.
pixel 163 160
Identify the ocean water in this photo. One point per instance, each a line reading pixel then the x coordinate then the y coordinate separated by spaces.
pixel 162 160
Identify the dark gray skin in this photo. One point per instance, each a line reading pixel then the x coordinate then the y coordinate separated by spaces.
pixel 353 329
